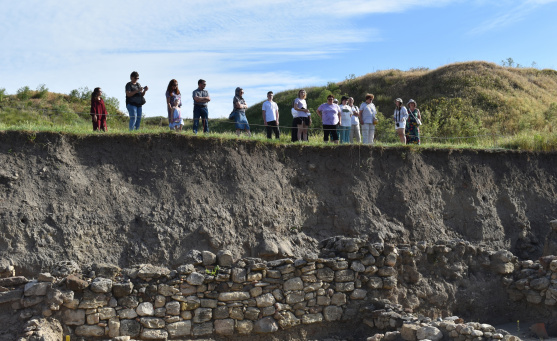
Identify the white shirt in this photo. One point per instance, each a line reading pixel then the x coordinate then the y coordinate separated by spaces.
pixel 368 112
pixel 301 103
pixel 400 117
pixel 345 113
pixel 354 118
pixel 271 110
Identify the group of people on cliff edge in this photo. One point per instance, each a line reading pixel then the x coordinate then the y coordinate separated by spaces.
pixel 342 123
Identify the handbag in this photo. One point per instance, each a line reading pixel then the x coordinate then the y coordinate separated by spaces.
pixel 418 121
pixel 232 116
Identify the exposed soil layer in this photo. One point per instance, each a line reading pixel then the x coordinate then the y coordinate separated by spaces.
pixel 152 198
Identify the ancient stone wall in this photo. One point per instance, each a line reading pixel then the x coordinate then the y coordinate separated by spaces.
pixel 351 280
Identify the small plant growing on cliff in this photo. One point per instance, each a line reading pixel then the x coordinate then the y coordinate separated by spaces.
pixel 213 272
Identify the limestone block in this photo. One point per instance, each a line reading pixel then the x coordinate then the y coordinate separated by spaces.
pixel 93 318
pixel 122 289
pixel 266 325
pixel 344 286
pixel 387 271
pixel 35 288
pixel 31 301
pixel 154 334
pixel 13 281
pixel 540 283
pixel 292 284
pixel 344 276
pixel 224 327
pixel 236 313
pixel 252 313
pixel 114 327
pixel 326 274
pixel 533 297
pixel 295 297
pixel 429 332
pixel 147 271
pixel 91 331
pixel 167 290
pixel 173 308
pixel 357 266
pixel 152 322
pixel 312 318
pixel 203 329
pixel 202 315
pixel 208 257
pixel 10 296
pixel 195 278
pixel 182 328
pixel 254 277
pixel 358 294
pixel 332 313
pixel 145 309
pixel 73 317
pixel 409 331
pixel 390 260
pixel 191 303
pixel 234 296
pixel 46 277
pixel 503 268
pixel 338 299
pixel 323 300
pixel 224 258
pixel 266 300
pixel 502 256
pixel 277 294
pixel 244 327
pixel 186 315
pixel 101 285
pixel 127 313
pixel 130 328
pixel 75 283
pixel 220 313
pixel 239 275
pixel 257 291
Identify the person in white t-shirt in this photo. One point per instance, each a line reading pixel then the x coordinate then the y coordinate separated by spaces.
pixel 271 116
pixel 400 117
pixel 369 119
pixel 346 121
pixel 355 122
pixel 304 116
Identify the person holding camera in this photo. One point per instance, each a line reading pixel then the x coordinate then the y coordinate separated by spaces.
pixel 400 116
pixel 135 98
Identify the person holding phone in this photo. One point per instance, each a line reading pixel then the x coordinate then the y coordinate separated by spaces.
pixel 135 98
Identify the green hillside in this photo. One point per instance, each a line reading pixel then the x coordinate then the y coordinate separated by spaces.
pixel 456 100
pixel 478 104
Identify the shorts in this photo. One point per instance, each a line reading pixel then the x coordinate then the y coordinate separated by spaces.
pixel 301 120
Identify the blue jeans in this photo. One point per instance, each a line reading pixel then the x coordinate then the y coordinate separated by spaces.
pixel 344 134
pixel 135 116
pixel 200 112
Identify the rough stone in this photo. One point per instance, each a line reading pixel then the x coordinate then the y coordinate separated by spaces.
pixel 92 331
pixel 35 288
pixel 224 258
pixel 208 257
pixel 122 289
pixel 244 327
pixel 429 332
pixel 182 328
pixel 101 285
pixel 74 317
pixel 266 300
pixel 145 309
pixel 293 284
pixel 224 327
pixel 152 322
pixel 195 278
pixel 233 296
pixel 154 334
pixel 202 315
pixel 332 313
pixel 266 325
pixel 173 308
pixel 129 328
pixel 203 329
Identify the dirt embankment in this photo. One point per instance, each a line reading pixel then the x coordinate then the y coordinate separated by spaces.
pixel 151 199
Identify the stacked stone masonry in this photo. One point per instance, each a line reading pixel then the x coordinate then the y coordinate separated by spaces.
pixel 213 295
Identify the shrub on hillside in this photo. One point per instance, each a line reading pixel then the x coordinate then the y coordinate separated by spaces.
pixel 24 93
pixel 42 91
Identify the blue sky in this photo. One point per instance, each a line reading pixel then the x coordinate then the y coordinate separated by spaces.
pixel 257 45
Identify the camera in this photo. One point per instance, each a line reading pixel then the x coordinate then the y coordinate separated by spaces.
pixel 398 125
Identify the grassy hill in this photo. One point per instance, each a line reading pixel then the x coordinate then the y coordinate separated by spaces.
pixel 456 100
pixel 468 103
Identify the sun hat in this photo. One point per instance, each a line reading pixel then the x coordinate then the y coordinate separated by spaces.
pixel 411 101
pixel 399 100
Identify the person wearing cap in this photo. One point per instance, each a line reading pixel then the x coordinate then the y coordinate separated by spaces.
pixel 135 98
pixel 271 116
pixel 369 119
pixel 412 129
pixel 400 117
pixel 240 107
pixel 346 122
pixel 200 112
pixel 355 122
pixel 330 116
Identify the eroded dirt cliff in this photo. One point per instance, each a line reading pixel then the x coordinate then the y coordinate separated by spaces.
pixel 152 198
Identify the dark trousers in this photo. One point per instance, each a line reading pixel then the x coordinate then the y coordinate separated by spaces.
pixel 272 126
pixel 332 130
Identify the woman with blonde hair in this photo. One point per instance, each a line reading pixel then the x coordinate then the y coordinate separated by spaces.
pixel 303 115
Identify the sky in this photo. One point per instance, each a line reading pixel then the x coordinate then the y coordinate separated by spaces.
pixel 257 45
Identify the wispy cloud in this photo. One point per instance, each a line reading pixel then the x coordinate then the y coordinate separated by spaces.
pixel 511 14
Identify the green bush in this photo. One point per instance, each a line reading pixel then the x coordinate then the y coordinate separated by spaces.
pixel 24 93
pixel 2 94
pixel 42 91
